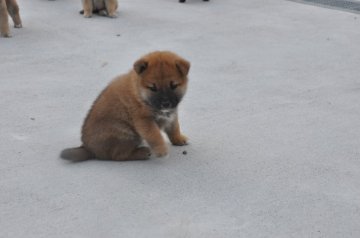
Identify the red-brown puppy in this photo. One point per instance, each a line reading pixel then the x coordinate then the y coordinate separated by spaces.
pixel 135 107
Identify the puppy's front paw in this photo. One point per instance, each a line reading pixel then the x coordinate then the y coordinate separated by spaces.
pixel 160 151
pixel 179 140
pixel 18 25
pixel 113 15
pixel 87 14
pixel 6 34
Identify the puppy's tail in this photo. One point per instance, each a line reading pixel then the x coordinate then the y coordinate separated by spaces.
pixel 76 154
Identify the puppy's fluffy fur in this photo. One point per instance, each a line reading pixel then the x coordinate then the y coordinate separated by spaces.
pixel 101 7
pixel 9 7
pixel 135 107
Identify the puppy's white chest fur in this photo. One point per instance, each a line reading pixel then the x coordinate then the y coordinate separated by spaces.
pixel 165 118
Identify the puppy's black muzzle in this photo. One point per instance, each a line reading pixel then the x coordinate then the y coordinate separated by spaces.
pixel 164 100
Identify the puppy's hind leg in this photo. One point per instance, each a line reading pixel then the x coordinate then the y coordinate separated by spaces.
pixel 114 148
pixel 13 10
pixel 88 8
pixel 122 153
pixel 110 146
pixel 111 141
pixel 111 6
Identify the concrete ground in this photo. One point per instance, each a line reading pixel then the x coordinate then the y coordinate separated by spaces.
pixel 272 113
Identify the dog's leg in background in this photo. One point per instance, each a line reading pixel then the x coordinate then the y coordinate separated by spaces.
pixel 111 7
pixel 4 20
pixel 13 10
pixel 88 7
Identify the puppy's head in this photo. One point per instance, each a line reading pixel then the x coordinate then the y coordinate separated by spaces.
pixel 162 79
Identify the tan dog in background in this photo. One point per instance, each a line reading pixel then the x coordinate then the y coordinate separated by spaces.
pixel 135 107
pixel 9 7
pixel 102 7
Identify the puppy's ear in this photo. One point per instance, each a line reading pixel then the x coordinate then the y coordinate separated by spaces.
pixel 140 66
pixel 183 66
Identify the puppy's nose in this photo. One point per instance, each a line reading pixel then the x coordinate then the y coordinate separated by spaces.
pixel 165 104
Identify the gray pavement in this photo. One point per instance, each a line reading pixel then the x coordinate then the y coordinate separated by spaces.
pixel 272 113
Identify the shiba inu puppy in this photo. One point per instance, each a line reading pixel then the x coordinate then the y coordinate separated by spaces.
pixel 9 7
pixel 134 108
pixel 101 7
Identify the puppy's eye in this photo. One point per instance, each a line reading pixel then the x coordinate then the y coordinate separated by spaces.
pixel 173 85
pixel 153 88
